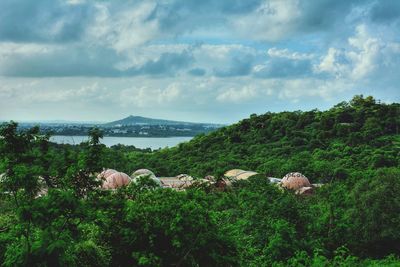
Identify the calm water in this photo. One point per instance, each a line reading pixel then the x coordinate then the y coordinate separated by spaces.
pixel 139 142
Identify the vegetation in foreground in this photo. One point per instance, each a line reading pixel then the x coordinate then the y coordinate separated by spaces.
pixel 353 220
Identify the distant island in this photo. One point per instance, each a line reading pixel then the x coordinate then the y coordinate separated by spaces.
pixel 138 120
pixel 131 126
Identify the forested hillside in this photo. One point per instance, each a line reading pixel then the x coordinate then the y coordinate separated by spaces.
pixel 53 211
pixel 352 136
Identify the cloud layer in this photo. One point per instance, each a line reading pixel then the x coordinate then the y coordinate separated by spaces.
pixel 193 59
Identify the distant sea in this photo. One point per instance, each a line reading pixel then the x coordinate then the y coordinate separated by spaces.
pixel 139 142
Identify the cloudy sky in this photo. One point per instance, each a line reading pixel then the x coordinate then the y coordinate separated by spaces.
pixel 192 60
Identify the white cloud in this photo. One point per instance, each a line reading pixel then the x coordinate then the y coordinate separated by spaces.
pixel 330 63
pixel 286 53
pixel 364 56
pixel 237 95
pixel 141 55
pixel 148 97
pixel 75 2
pixel 271 21
pixel 301 89
pixel 367 54
pixel 123 29
pixel 9 49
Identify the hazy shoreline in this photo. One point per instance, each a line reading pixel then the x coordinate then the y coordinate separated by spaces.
pixel 139 142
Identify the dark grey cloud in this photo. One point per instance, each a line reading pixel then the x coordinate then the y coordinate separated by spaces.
pixel 239 66
pixel 58 21
pixel 197 72
pixel 320 15
pixel 73 61
pixel 223 6
pixel 284 68
pixel 183 16
pixel 80 61
pixel 43 20
pixel 167 64
pixel 189 14
pixel 385 11
pixel 82 54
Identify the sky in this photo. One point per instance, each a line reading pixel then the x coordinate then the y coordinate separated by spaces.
pixel 203 61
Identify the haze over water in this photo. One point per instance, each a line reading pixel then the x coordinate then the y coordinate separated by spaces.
pixel 138 142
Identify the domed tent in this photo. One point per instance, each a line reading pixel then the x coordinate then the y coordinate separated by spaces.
pixel 136 175
pixel 238 174
pixel 233 173
pixel 245 175
pixel 179 182
pixel 172 182
pixel 184 177
pixel 116 180
pixel 141 173
pixel 106 173
pixel 295 181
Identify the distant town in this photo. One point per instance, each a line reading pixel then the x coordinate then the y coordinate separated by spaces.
pixel 132 126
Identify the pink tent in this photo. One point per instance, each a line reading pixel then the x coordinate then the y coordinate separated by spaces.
pixel 116 180
pixel 295 181
pixel 106 173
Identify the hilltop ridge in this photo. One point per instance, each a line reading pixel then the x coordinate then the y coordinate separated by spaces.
pixel 139 120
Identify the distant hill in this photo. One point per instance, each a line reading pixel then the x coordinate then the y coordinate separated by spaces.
pixel 138 120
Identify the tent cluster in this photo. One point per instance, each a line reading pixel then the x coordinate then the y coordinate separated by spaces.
pixel 111 179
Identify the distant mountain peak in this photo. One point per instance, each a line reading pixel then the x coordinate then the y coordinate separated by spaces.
pixel 139 120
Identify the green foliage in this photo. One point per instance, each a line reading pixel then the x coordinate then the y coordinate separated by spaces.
pixel 88 253
pixel 18 153
pixel 375 212
pixel 176 227
pixel 53 212
pixel 81 176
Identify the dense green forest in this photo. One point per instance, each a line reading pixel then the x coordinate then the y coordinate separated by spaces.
pixel 353 220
